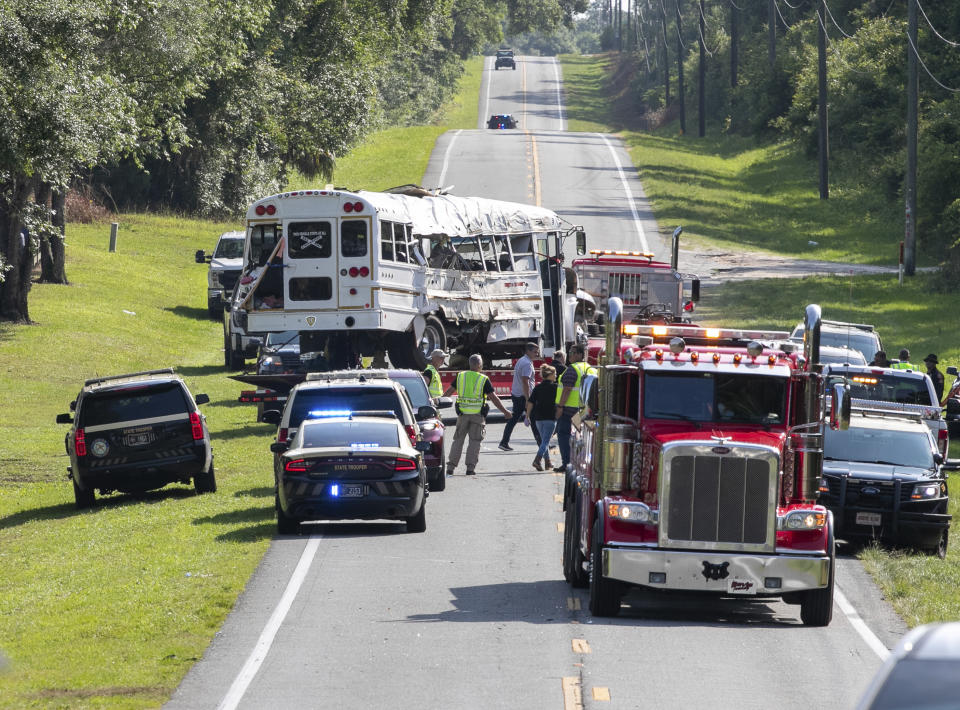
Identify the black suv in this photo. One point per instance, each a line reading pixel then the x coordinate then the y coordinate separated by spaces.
pixel 504 59
pixel 137 432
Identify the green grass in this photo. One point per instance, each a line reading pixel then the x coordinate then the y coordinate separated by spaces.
pixel 109 607
pixel 398 156
pixel 731 192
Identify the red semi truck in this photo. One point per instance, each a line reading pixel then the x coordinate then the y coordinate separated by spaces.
pixel 696 466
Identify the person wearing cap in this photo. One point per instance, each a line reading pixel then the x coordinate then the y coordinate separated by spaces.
pixel 432 375
pixel 931 362
pixel 473 388
pixel 904 363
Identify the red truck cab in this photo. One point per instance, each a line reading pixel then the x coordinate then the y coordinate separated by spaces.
pixel 695 468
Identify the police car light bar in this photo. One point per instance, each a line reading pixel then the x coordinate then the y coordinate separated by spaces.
pixel 361 375
pixel 893 409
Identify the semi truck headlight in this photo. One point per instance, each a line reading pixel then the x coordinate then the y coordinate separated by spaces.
pixel 632 512
pixel 803 520
pixel 923 491
pixel 214 279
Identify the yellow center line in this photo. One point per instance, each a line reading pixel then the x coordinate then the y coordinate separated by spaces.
pixel 559 527
pixel 601 693
pixel 572 693
pixel 580 646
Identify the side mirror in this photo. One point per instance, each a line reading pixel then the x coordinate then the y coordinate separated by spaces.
pixel 695 290
pixel 581 242
pixel 840 407
pixel 938 458
pixel 199 256
pixel 444 402
pixel 271 416
pixel 423 446
pixel 201 398
pixel 426 412
pixel 64 419
pixel 278 447
pixel 952 371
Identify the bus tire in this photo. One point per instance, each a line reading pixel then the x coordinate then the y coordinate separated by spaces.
pixel 434 338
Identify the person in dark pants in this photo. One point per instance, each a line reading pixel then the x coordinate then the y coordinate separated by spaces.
pixel 523 377
pixel 931 362
pixel 540 409
pixel 568 402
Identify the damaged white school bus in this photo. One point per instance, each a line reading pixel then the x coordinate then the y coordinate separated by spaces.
pixel 401 273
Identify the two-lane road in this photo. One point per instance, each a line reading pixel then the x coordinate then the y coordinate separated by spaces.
pixel 474 613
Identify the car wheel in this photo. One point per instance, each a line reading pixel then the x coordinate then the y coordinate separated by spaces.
pixel 84 497
pixel 572 556
pixel 285 524
pixel 205 482
pixel 214 308
pixel 231 359
pixel 438 481
pixel 816 606
pixel 940 549
pixel 604 593
pixel 418 523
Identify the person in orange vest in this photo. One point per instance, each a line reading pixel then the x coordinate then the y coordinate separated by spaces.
pixel 472 388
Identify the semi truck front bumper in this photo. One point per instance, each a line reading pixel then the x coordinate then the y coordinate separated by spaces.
pixel 722 573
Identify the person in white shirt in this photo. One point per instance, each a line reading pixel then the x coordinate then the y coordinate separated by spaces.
pixel 523 381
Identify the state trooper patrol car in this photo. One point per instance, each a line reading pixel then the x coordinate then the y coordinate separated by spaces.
pixel 137 432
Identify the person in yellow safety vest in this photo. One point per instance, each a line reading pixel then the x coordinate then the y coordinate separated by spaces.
pixel 472 388
pixel 432 375
pixel 568 401
pixel 904 363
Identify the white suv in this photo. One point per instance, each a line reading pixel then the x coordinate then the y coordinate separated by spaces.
pixel 225 265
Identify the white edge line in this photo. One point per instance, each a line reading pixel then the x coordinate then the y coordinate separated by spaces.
pixel 859 625
pixel 556 75
pixel 486 104
pixel 446 158
pixel 262 648
pixel 628 193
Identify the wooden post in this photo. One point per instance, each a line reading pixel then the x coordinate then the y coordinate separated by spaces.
pixel 113 236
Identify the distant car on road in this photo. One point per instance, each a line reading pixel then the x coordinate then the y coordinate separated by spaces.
pixel 883 479
pixel 923 671
pixel 505 59
pixel 502 121
pixel 137 432
pixel 342 466
pixel 225 265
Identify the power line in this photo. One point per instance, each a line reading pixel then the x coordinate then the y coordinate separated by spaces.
pixel 786 24
pixel 735 5
pixel 833 20
pixel 792 7
pixel 952 44
pixel 703 40
pixel 679 34
pixel 935 79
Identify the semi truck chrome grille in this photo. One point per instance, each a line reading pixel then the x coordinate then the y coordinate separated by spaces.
pixel 719 501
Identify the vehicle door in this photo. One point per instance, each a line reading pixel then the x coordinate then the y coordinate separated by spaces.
pixel 552 284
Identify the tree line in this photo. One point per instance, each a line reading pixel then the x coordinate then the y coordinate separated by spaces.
pixel 202 106
pixel 752 67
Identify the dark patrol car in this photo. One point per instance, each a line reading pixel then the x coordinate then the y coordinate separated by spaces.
pixel 883 479
pixel 137 432
pixel 502 121
pixel 342 465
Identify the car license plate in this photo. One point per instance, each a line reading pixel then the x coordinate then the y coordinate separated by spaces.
pixel 352 491
pixel 138 439
pixel 872 519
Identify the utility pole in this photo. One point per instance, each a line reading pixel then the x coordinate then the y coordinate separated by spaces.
pixel 823 138
pixel 619 25
pixel 702 74
pixel 772 33
pixel 910 186
pixel 734 44
pixel 666 57
pixel 680 90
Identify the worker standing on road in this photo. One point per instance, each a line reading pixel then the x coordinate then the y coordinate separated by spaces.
pixel 520 390
pixel 472 388
pixel 540 409
pixel 931 361
pixel 432 375
pixel 568 402
pixel 904 363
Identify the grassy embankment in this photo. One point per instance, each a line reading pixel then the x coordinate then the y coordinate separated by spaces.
pixel 108 608
pixel 734 194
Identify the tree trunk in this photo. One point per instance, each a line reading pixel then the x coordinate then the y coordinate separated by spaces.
pixel 16 252
pixel 57 243
pixel 42 197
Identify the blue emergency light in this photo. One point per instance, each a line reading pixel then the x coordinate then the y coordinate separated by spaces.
pixel 335 490
pixel 326 413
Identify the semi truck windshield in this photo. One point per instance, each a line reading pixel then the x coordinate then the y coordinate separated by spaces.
pixel 715 397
